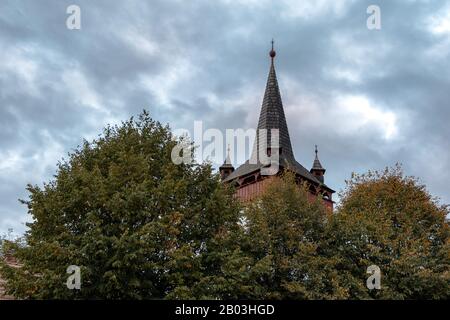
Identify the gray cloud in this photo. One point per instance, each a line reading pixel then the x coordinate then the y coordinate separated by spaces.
pixel 367 98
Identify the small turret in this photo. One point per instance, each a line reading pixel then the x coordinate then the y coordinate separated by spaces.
pixel 227 168
pixel 317 170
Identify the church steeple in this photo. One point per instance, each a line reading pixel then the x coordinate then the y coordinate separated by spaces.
pixel 249 178
pixel 317 170
pixel 272 117
pixel 227 168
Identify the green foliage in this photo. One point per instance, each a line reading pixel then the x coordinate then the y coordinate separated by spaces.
pixel 389 220
pixel 139 226
pixel 291 248
pixel 280 254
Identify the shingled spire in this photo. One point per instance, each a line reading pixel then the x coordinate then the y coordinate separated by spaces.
pixel 247 176
pixel 317 170
pixel 227 168
pixel 272 117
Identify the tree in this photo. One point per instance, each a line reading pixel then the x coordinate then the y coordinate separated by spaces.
pixel 137 225
pixel 290 248
pixel 390 220
pixel 280 255
pixel 141 227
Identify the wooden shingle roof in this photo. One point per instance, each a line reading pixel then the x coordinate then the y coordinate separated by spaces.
pixel 272 117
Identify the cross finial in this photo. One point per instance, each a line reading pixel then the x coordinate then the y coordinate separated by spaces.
pixel 316 150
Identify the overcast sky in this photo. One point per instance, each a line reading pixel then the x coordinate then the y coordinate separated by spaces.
pixel 368 98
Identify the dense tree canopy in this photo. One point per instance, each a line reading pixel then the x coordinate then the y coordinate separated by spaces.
pixel 141 227
pixel 280 254
pixel 391 221
pixel 138 225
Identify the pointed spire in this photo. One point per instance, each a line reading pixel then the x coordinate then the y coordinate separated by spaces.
pixel 227 168
pixel 317 168
pixel 317 165
pixel 272 116
pixel 228 158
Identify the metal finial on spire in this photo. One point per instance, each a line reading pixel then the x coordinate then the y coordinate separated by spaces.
pixel 272 52
pixel 228 158
pixel 227 168
pixel 317 165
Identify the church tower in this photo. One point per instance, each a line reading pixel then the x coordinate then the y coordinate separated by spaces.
pixel 248 178
pixel 317 170
pixel 227 168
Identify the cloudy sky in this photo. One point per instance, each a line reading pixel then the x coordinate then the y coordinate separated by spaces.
pixel 368 98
